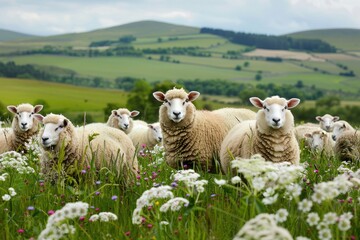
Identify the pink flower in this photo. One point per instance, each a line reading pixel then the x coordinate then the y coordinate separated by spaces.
pixel 20 230
pixel 82 218
pixel 127 233
pixel 51 212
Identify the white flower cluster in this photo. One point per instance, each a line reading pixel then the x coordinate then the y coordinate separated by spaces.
pixel 3 177
pixel 33 147
pixel 16 161
pixel 158 153
pixel 147 199
pixel 54 227
pixel 190 178
pixel 7 197
pixel 263 226
pixel 269 177
pixel 174 204
pixel 103 217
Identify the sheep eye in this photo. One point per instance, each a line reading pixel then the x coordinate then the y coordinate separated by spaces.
pixel 266 109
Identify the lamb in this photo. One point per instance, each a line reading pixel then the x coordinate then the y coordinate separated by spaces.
pixel 272 134
pixel 24 127
pixel 191 137
pixel 61 141
pixel 327 122
pixel 340 127
pixel 122 119
pixel 320 141
pixel 148 135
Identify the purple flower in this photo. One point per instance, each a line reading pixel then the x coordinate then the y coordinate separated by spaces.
pixel 97 193
pixel 31 208
pixel 114 197
pixel 83 171
pixel 174 184
pixel 98 182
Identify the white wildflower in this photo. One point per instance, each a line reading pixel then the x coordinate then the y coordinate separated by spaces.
pixel 164 223
pixel 325 234
pixel 347 215
pixel 313 219
pixel 15 161
pixel 302 238
pixel 94 218
pixel 3 177
pixel 258 183
pixel 107 216
pixel 305 205
pixel 281 215
pixel 270 199
pixel 12 192
pixel 344 224
pixel 220 182
pixel 236 180
pixel 6 197
pixel 293 190
pixel 330 218
pixel 174 204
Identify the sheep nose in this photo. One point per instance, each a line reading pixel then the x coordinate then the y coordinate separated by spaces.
pixel 333 137
pixel 23 124
pixel 160 138
pixel 126 125
pixel 44 139
pixel 177 114
pixel 276 120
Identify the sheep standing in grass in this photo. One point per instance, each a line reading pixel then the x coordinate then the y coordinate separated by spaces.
pixel 24 126
pixel 339 128
pixel 63 142
pixel 122 119
pixel 148 135
pixel 302 129
pixel 347 141
pixel 320 141
pixel 327 121
pixel 191 136
pixel 272 134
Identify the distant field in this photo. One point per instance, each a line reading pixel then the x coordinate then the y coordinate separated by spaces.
pixel 61 98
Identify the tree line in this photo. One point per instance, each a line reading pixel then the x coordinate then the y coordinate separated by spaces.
pixel 271 41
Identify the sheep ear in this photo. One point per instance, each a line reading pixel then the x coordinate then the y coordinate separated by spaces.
pixel 319 118
pixel 38 108
pixel 65 122
pixel 257 102
pixel 39 117
pixel 114 112
pixel 150 126
pixel 336 118
pixel 12 109
pixel 293 102
pixel 160 96
pixel 134 113
pixel 193 95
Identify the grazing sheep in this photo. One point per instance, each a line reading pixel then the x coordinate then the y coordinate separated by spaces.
pixel 61 141
pixel 340 127
pixel 24 126
pixel 272 134
pixel 122 119
pixel 347 146
pixel 148 135
pixel 327 122
pixel 234 116
pixel 191 137
pixel 302 129
pixel 320 141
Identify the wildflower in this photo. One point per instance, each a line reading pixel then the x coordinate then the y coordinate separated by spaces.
pixel 235 180
pixel 281 215
pixel 114 198
pixel 302 238
pixel 312 219
pixel 270 199
pixel 164 223
pixel 258 183
pixel 97 193
pixel 149 225
pixel 98 182
pixel 6 197
pixel 293 190
pixel 330 218
pixel 31 208
pixel 94 218
pixel 3 177
pixel 82 218
pixel 15 160
pixel 305 205
pixel 220 182
pixel 12 192
pixel 344 224
pixel 347 215
pixel 174 204
pixel 20 230
pixel 51 212
pixel 325 234
pixel 213 195
pixel 83 171
pixel 103 217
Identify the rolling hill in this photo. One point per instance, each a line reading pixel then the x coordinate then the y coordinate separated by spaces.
pixel 343 39
pixel 7 35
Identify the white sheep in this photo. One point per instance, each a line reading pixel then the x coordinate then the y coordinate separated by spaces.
pixel 320 141
pixel 146 135
pixel 24 127
pixel 340 127
pixel 63 142
pixel 272 134
pixel 190 136
pixel 233 116
pixel 122 119
pixel 302 129
pixel 327 121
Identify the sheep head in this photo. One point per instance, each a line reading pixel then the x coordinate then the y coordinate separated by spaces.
pixel 316 140
pixel 327 122
pixel 176 101
pixel 156 131
pixel 274 109
pixel 338 128
pixel 24 115
pixel 123 117
pixel 54 125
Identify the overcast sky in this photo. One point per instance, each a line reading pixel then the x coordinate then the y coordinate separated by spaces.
pixel 49 17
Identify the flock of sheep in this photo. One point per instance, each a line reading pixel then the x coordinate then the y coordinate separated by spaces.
pixel 197 138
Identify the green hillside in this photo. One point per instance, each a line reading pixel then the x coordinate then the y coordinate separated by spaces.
pixel 343 39
pixel 7 35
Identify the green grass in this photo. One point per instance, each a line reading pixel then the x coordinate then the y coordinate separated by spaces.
pixel 62 98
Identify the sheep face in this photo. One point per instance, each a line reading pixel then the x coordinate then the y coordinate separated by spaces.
pixel 315 140
pixel 176 106
pixel 24 115
pixel 327 122
pixel 156 132
pixel 51 133
pixel 275 109
pixel 124 118
pixel 338 129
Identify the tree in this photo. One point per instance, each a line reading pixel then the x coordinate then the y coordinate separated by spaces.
pixel 328 102
pixel 252 92
pixel 238 68
pixel 139 96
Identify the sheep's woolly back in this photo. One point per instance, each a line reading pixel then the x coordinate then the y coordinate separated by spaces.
pixel 6 140
pixel 305 128
pixel 142 134
pixel 233 116
pixel 113 121
pixel 347 146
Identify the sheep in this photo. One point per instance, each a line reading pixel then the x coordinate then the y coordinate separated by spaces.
pixel 233 116
pixel 347 145
pixel 24 127
pixel 190 137
pixel 61 141
pixel 302 129
pixel 320 141
pixel 340 127
pixel 122 119
pixel 272 134
pixel 327 122
pixel 148 135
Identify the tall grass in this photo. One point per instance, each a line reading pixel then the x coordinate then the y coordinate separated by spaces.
pixel 215 207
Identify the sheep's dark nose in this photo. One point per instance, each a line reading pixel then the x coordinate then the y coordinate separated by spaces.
pixel 177 114
pixel 44 139
pixel 126 125
pixel 333 137
pixel 23 124
pixel 160 138
pixel 276 120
